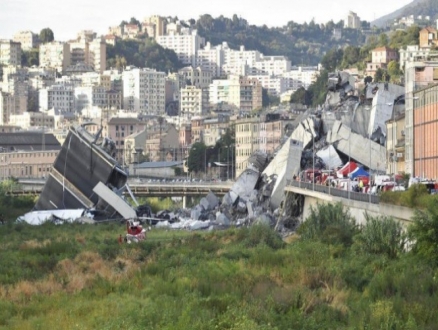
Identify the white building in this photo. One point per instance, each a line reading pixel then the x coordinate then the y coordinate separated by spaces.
pixel 212 58
pixel 55 55
pixel 60 97
pixel 185 45
pixel 193 102
pixel 92 53
pixel 15 82
pixel 27 39
pixel 89 96
pixel 275 85
pixel 412 53
pixel 144 91
pixel 197 77
pixel 272 65
pixel 10 52
pixel 305 75
pixel 352 21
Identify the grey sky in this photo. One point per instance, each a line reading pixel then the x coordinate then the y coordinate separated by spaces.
pixel 66 17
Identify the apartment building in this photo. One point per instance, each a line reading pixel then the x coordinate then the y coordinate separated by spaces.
pixel 214 128
pixel 250 94
pixel 10 52
pixel 58 96
pixel 395 143
pixel 197 125
pixel 212 59
pixel 134 147
pixel 275 85
pixel 257 133
pixel 119 128
pixel 90 96
pixel 91 53
pixel 193 102
pixel 161 143
pixel 412 53
pixel 425 126
pixel 381 57
pixel 15 82
pixel 301 76
pixel 155 25
pixel 144 91
pixel 352 21
pixel 55 55
pixel 7 105
pixel 428 37
pixel 186 45
pixel 272 65
pixel 198 77
pixel 27 39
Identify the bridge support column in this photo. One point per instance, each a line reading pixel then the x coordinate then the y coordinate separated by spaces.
pixel 184 202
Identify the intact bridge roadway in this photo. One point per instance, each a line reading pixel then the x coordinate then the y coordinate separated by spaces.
pixel 142 189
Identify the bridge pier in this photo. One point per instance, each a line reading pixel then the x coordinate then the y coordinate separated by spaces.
pixel 184 202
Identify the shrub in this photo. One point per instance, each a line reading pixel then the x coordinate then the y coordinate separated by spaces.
pixel 381 235
pixel 261 234
pixel 413 195
pixel 330 223
pixel 424 233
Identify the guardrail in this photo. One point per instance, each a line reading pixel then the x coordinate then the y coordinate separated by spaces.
pixel 357 196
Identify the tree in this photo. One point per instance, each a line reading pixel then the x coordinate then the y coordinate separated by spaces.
pixel 46 35
pixel 196 160
pixel 30 58
pixel 394 70
pixel 423 233
pixel 381 235
pixel 381 75
pixel 332 60
pixel 301 96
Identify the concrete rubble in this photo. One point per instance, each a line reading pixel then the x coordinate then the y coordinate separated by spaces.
pixel 349 126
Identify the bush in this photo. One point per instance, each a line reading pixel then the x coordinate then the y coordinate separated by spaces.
pixel 261 234
pixel 381 235
pixel 330 223
pixel 423 233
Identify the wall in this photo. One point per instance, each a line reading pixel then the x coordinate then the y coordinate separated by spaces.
pixel 358 209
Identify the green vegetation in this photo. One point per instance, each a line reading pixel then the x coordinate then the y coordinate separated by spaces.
pixel 416 197
pixel 142 53
pixel 79 277
pixel 46 35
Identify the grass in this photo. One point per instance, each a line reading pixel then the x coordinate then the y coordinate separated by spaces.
pixel 79 277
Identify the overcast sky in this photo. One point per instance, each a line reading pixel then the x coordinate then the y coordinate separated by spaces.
pixel 66 17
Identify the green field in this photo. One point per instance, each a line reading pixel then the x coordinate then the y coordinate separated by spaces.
pixel 333 276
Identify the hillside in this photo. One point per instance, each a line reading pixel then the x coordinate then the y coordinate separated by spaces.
pixel 416 7
pixel 304 44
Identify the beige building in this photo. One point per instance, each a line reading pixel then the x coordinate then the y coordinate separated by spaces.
pixel 119 129
pixel 27 39
pixel 197 77
pixel 395 144
pixel 352 21
pixel 380 59
pixel 55 55
pixel 253 134
pixel 428 37
pixel 214 128
pixel 160 144
pixel 134 147
pixel 157 24
pixel 27 154
pixel 10 52
pixel 193 102
pixel 91 53
pixel 33 120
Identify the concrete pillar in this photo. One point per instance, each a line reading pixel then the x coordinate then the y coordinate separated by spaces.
pixel 184 202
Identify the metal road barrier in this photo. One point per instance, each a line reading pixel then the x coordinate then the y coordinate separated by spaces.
pixel 357 196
